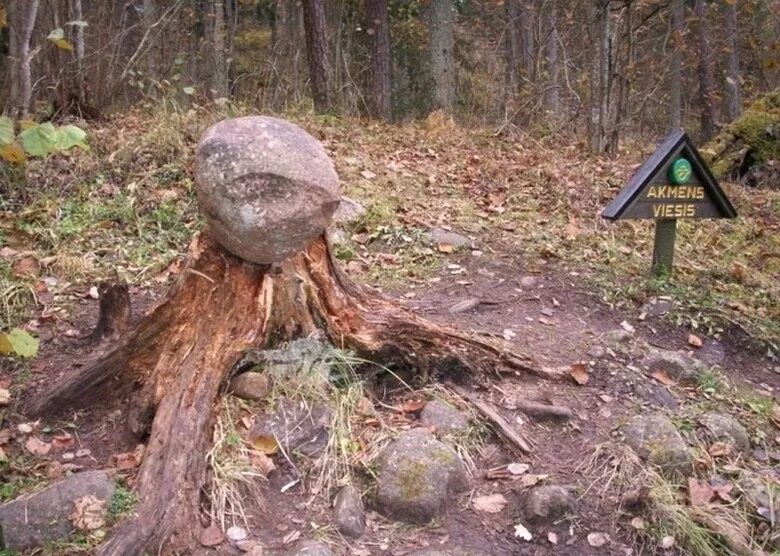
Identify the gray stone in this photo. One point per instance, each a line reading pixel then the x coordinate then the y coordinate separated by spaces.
pixel 763 495
pixel 311 548
pixel 417 475
pixel 660 396
pixel 443 418
pixel 677 365
pixel 44 517
pixel 249 386
pixel 528 281
pixel 266 187
pixel 349 211
pixel 546 503
pixel 304 356
pixel 724 428
pixel 597 352
pixel 348 513
pixel 619 336
pixel 655 439
pixel 657 307
pixel 440 236
pixel 298 427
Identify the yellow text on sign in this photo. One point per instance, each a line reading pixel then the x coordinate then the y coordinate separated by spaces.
pixel 675 192
pixel 674 211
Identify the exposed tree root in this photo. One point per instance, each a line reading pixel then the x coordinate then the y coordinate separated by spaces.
pixel 174 361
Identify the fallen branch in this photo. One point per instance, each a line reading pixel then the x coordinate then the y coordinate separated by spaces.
pixel 501 425
pixel 544 411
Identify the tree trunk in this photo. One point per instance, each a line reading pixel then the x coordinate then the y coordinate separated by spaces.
pixel 174 363
pixel 513 47
pixel 21 22
pixel 733 77
pixel 527 39
pixel 317 53
pixel 706 103
pixel 219 65
pixel 287 78
pixel 378 32
pixel 153 51
pixel 439 18
pixel 675 73
pixel 553 66
pixel 78 44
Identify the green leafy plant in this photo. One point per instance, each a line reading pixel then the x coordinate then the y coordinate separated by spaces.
pixel 38 140
pixel 18 342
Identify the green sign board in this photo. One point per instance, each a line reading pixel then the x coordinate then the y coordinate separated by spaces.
pixel 673 183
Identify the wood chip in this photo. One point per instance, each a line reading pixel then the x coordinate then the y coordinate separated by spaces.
pixel 579 372
pixel 663 377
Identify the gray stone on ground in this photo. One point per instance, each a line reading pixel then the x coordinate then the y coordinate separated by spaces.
pixel 619 336
pixel 348 513
pixel 655 439
pixel 528 281
pixel 677 365
pixel 725 428
pixel 311 548
pixel 417 476
pixel 298 427
pixel 348 211
pixel 249 386
pixel 763 495
pixel 441 236
pixel 657 307
pixel 546 503
pixel 266 187
pixel 300 357
pixel 444 418
pixel 44 517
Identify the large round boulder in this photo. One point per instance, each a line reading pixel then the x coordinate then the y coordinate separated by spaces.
pixel 266 187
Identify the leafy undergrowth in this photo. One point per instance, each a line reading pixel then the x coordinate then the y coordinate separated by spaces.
pixel 127 207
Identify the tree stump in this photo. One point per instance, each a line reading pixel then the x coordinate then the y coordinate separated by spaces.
pixel 261 275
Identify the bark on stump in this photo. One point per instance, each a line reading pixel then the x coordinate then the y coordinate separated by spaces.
pixel 175 362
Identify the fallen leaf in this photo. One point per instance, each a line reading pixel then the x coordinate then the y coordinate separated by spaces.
pixel 597 539
pixel 445 248
pixel 518 468
pixel 5 397
pixel 724 492
pixel 663 377
pixel 62 441
pixel 625 325
pixel 88 513
pixel 694 340
pixel 638 523
pixel 522 533
pixel 552 538
pixel 719 449
pixel 129 460
pixel 491 503
pixel 531 480
pixel 265 444
pixel 579 373
pixel 412 406
pixel 699 492
pixel 261 462
pixel 26 266
pixel 37 447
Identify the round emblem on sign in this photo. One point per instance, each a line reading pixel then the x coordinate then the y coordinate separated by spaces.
pixel 680 172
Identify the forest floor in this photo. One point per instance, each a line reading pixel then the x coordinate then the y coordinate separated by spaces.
pixel 541 271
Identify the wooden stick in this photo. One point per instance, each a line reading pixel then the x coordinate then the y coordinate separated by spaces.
pixel 544 411
pixel 501 425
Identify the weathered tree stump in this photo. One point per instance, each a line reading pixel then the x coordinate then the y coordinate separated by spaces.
pixel 268 190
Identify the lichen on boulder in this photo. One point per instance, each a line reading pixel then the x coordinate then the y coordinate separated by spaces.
pixel 748 149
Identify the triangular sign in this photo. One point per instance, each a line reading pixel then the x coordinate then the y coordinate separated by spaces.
pixel 673 183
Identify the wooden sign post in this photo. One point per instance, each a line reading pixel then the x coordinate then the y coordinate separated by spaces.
pixel 673 183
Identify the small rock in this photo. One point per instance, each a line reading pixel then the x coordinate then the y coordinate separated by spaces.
pixel 546 503
pixel 311 548
pixel 597 352
pixel 655 439
pixel 443 418
pixel 296 426
pixel 417 475
pixel 660 396
pixel 528 281
pixel 250 386
pixel 211 536
pixel 619 336
pixel 236 533
pixel 657 307
pixel 677 365
pixel 761 494
pixel 724 428
pixel 44 517
pixel 348 512
pixel 439 236
pixel 348 211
